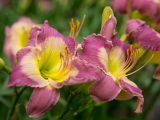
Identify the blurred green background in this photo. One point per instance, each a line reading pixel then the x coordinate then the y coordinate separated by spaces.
pixel 73 106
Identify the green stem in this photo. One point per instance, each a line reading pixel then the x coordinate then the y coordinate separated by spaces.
pixel 16 99
pixel 89 104
pixel 6 69
pixel 69 100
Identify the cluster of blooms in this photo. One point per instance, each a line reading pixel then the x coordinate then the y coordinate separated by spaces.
pixel 148 8
pixel 146 37
pixel 44 59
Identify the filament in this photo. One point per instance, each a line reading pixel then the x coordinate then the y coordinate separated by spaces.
pixel 75 27
pixel 130 62
pixel 141 66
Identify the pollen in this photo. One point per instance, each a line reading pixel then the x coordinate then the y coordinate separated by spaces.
pixel 74 28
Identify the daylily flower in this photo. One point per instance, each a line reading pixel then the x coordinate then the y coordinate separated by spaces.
pixel 149 8
pixel 47 63
pixel 17 37
pixel 120 6
pixel 114 59
pixel 147 38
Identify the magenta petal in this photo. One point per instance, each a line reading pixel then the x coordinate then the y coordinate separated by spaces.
pixel 120 5
pixel 71 43
pixel 157 73
pixel 134 25
pixel 117 42
pixel 149 8
pixel 42 100
pixel 33 36
pixel 47 31
pixel 105 90
pixel 144 35
pixel 19 78
pixel 108 28
pixel 91 47
pixel 134 91
pixel 39 35
pixel 86 73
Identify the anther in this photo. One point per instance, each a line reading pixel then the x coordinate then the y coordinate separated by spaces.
pixel 74 27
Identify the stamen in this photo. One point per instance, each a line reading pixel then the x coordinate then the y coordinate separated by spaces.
pixel 80 27
pixel 75 27
pixel 65 65
pixel 141 66
pixel 65 62
pixel 102 70
pixel 131 60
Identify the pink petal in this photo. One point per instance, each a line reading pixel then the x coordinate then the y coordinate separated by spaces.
pixel 145 36
pixel 108 28
pixel 39 35
pixel 117 42
pixel 134 25
pixel 120 5
pixel 148 8
pixel 25 73
pixel 71 43
pixel 42 100
pixel 86 73
pixel 105 90
pixel 91 48
pixel 132 89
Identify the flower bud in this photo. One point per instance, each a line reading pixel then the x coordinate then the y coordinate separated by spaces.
pixel 1 63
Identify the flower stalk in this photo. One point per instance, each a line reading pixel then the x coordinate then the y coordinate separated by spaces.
pixel 16 99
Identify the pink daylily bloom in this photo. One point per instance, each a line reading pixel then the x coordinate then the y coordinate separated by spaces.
pixel 114 59
pixel 148 39
pixel 47 63
pixel 149 8
pixel 144 35
pixel 120 6
pixel 17 37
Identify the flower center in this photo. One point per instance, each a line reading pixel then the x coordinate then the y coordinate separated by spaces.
pixel 120 62
pixel 55 61
pixel 128 62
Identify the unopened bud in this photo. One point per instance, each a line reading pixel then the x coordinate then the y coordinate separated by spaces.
pixel 107 13
pixel 1 63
